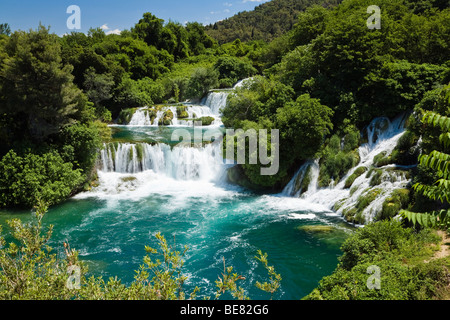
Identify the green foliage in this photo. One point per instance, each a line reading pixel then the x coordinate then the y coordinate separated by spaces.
pixel 335 58
pixel 266 22
pixel 337 159
pixel 5 29
pixel 28 268
pixel 267 104
pixel 166 118
pixel 233 69
pixel 399 253
pixel 37 90
pixel 275 279
pixel 205 121
pixel 398 200
pixel 201 81
pixel 310 24
pixel 126 115
pixel 25 180
pixel 356 174
pixel 438 163
pixel 80 145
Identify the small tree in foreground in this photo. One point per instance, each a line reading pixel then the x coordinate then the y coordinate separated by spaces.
pixel 31 270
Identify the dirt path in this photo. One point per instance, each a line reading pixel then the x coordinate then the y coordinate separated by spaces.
pixel 445 246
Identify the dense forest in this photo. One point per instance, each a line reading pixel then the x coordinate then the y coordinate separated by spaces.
pixel 319 76
pixel 266 22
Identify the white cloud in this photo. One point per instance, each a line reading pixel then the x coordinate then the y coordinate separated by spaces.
pixel 244 1
pixel 227 4
pixel 109 31
pixel 115 31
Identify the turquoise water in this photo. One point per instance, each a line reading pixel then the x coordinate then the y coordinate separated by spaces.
pixel 110 226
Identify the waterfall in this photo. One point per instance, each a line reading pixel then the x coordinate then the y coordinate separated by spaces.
pixel 382 137
pixel 309 173
pixel 210 106
pixel 215 101
pixel 180 163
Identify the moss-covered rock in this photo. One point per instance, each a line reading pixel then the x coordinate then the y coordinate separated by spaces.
pixel 356 174
pixel 397 201
pixel 206 121
pixel 317 228
pixel 367 198
pixel 181 112
pixel 166 119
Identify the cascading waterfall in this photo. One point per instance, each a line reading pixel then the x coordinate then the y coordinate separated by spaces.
pixel 216 101
pixel 211 106
pixel 142 117
pixel 382 137
pixel 180 163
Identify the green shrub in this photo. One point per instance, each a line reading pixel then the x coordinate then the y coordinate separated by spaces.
pixel 399 253
pixel 182 113
pixel 392 205
pixel 206 121
pixel 24 181
pixel 356 174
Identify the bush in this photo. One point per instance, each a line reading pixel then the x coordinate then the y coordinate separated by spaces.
pixel 356 174
pixel 398 253
pixel 26 180
pixel 206 121
pixel 233 69
pixel 335 164
pixel 202 80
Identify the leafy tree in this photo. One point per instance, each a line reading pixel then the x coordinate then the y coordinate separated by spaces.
pixel 37 89
pixel 198 40
pixel 201 81
pixel 98 88
pixel 438 162
pixel 232 69
pixel 5 29
pixel 24 180
pixel 311 23
pixel 149 29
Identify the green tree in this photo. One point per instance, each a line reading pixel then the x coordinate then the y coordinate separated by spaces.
pixel 98 88
pixel 439 163
pixel 24 180
pixel 5 29
pixel 37 90
pixel 201 81
pixel 149 29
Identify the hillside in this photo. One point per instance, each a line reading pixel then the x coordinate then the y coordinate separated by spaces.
pixel 266 22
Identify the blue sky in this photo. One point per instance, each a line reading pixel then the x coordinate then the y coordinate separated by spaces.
pixel 114 15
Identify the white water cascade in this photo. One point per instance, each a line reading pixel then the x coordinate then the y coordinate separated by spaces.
pixel 216 100
pixel 180 163
pixel 142 118
pixel 210 106
pixel 382 137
